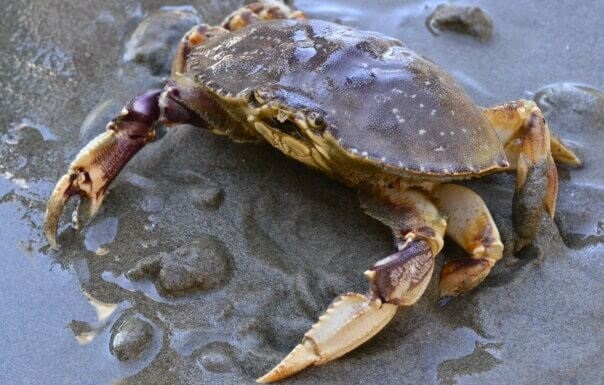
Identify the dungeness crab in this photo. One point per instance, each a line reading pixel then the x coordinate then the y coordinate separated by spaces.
pixel 364 109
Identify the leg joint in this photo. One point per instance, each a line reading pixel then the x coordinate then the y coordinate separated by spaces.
pixel 401 278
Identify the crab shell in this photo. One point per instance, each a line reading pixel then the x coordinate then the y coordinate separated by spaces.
pixel 351 103
pixel 366 110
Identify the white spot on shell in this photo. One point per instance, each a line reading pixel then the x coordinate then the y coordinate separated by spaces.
pixel 433 112
pixel 452 112
pixel 422 132
pixel 439 149
pixel 442 133
pixel 354 151
pixel 464 130
pixel 365 154
pixel 381 98
pixel 413 96
pixel 421 105
pixel 383 158
pixel 452 132
pixel 427 83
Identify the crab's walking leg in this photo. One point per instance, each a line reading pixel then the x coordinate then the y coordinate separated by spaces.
pixel 250 14
pixel 531 150
pixel 509 121
pixel 397 280
pixel 470 225
pixel 257 12
pixel 97 164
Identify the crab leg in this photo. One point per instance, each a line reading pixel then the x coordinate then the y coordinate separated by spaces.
pixel 250 14
pixel 471 226
pixel 256 12
pixel 509 121
pixel 397 280
pixel 97 164
pixel 531 151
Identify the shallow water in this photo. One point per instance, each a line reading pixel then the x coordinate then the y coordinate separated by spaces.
pixel 295 239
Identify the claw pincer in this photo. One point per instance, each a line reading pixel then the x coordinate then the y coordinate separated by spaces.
pixel 351 320
pixel 97 164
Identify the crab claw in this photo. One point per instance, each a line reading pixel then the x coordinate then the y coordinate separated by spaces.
pixel 347 323
pixel 88 177
pixel 97 164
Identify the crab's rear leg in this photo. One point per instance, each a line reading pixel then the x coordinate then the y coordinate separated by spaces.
pixel 510 122
pixel 471 226
pixel 531 151
pixel 250 14
pixel 97 164
pixel 196 36
pixel 397 280
pixel 257 12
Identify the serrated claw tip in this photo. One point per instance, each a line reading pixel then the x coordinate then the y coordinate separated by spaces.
pixel 301 357
pixel 350 321
pixel 54 208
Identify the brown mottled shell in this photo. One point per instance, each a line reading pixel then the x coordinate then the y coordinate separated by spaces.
pixel 379 99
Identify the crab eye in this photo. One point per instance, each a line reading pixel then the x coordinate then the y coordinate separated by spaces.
pixel 257 98
pixel 252 100
pixel 316 120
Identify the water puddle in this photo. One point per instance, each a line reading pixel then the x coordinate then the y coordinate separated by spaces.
pixel 145 287
pixel 99 234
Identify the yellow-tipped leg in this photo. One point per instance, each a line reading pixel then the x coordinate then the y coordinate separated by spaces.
pixel 509 121
pixel 562 154
pixel 471 226
pixel 257 12
pixel 531 151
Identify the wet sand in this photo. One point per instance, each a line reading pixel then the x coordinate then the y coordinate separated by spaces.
pixel 268 243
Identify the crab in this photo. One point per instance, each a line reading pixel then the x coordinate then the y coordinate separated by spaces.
pixel 364 109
